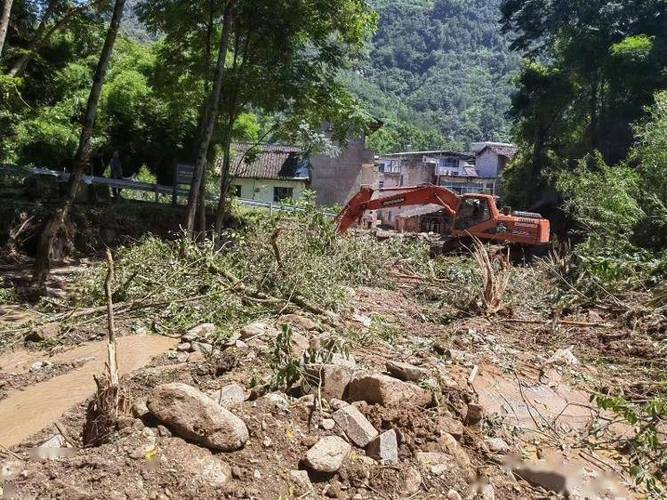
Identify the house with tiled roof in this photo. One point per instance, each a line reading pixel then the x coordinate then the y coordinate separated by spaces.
pixel 269 172
pixel 491 158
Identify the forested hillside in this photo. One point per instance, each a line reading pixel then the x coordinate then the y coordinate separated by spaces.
pixel 440 65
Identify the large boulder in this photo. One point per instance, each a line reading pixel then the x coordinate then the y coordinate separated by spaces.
pixel 194 416
pixel 387 391
pixel 328 454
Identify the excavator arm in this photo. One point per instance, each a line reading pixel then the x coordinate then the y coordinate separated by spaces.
pixel 398 197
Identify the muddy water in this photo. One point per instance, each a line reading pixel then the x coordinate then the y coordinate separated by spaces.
pixel 24 413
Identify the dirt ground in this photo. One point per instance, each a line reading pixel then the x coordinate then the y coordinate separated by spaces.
pixel 536 427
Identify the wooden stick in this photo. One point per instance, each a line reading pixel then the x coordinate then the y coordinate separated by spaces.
pixel 112 361
pixel 561 322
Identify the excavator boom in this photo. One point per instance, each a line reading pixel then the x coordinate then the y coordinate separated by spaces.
pixel 470 214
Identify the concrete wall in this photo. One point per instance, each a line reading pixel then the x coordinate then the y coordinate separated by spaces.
pixel 487 164
pixel 262 189
pixel 337 179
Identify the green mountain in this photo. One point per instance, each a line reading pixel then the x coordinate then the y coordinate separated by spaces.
pixel 438 65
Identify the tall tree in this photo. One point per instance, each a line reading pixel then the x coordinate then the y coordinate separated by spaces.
pixel 56 221
pixel 209 118
pixel 4 22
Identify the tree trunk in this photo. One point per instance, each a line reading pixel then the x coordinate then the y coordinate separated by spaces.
pixel 4 22
pixel 57 219
pixel 209 118
pixel 225 181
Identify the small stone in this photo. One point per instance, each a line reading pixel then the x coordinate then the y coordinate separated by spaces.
pixel 299 322
pixel 497 445
pixel 474 415
pixel 364 320
pixel 387 391
pixel 328 424
pixel 487 492
pixel 257 474
pixel 337 404
pixel 162 431
pixel 202 347
pixel 197 463
pixel 258 329
pixel 308 400
pixel 451 426
pixel 330 380
pixel 412 481
pixel 237 472
pixel 184 347
pixel 39 366
pixel 203 331
pixel 277 400
pixel 455 450
pixel 346 361
pixel 55 441
pixel 196 357
pixel 384 448
pixel 301 479
pixel 563 357
pixel 407 372
pixel 267 442
pixel 453 495
pixel 229 395
pixel 356 426
pixel 328 454
pixel 437 463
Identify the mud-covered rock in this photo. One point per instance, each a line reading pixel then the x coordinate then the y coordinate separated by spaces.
pixel 199 462
pixel 229 395
pixel 199 332
pixel 258 329
pixel 299 322
pixel 194 416
pixel 387 391
pixel 328 454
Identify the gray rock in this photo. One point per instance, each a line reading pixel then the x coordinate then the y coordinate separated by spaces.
pixel 200 464
pixel 387 391
pixel 437 463
pixel 411 481
pixel 497 445
pixel 258 329
pixel 139 408
pixel 301 479
pixel 456 451
pixel 487 492
pixel 229 395
pixel 346 361
pixel 203 331
pixel 357 427
pixel 194 416
pixel 453 495
pixel 277 400
pixel 44 332
pixel 407 372
pixel 328 454
pixel 337 404
pixel 331 380
pixel 184 347
pixel 328 424
pixel 384 448
pixel 201 347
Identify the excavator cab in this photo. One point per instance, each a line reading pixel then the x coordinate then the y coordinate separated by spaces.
pixel 473 211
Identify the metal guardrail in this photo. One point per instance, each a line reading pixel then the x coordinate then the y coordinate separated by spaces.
pixel 132 185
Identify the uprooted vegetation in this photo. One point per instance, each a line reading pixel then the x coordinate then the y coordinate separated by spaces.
pixel 285 318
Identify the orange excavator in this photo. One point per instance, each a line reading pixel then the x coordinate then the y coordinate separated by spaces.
pixel 469 215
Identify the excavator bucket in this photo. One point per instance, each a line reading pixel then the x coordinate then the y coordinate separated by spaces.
pixel 354 209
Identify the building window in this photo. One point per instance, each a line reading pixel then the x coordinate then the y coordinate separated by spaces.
pixel 381 167
pixel 235 190
pixel 381 184
pixel 282 193
pixel 449 163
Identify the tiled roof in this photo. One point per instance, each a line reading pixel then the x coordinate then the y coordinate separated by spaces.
pixel 506 151
pixel 268 161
